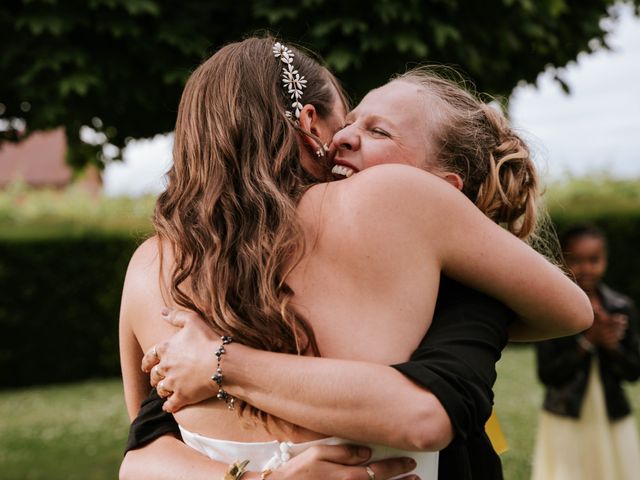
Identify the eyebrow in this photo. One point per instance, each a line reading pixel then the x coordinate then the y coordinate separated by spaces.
pixel 369 117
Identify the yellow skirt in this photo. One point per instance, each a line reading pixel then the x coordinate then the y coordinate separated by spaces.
pixel 588 448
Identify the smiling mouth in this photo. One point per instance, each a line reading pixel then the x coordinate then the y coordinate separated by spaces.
pixel 342 170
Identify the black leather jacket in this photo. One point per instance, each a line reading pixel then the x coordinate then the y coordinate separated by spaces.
pixel 564 368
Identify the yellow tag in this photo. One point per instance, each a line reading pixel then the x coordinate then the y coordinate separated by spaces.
pixel 495 434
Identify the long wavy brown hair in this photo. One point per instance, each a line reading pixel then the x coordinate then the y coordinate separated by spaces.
pixel 229 210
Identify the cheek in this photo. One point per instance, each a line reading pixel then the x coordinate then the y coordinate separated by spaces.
pixel 601 266
pixel 386 154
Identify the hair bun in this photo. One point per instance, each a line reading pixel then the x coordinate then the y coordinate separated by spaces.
pixel 510 192
pixel 475 141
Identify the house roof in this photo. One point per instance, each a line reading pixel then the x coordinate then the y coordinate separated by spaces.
pixel 38 160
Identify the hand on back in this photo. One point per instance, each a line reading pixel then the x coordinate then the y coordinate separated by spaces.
pixel 322 462
pixel 181 367
pixel 607 330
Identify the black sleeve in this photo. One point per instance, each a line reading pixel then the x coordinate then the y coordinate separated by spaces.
pixel 457 358
pixel 151 423
pixel 559 360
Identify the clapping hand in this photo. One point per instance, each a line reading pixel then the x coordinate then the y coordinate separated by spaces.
pixel 607 330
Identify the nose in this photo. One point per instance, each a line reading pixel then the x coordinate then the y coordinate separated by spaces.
pixel 348 138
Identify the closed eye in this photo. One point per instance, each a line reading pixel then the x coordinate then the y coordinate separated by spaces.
pixel 381 132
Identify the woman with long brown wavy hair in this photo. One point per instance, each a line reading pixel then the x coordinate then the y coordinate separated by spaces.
pixel 249 242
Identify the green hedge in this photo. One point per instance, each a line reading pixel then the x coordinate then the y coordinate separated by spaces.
pixel 61 295
pixel 59 305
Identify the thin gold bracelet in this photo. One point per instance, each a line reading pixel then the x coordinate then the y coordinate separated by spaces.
pixel 236 470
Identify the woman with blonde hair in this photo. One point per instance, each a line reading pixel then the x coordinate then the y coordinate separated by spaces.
pixel 263 254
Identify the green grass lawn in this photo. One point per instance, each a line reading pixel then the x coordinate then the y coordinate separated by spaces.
pixel 78 431
pixel 72 432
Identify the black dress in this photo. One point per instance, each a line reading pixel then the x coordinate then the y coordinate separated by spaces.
pixel 455 361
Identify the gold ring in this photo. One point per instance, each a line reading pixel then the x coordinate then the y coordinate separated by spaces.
pixel 164 390
pixel 370 472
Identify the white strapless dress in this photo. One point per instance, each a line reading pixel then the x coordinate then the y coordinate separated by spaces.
pixel 263 455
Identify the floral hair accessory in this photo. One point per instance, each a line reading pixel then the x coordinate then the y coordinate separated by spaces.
pixel 291 79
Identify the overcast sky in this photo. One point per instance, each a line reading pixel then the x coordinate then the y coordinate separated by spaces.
pixel 595 129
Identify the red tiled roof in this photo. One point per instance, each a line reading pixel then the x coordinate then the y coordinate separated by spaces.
pixel 39 160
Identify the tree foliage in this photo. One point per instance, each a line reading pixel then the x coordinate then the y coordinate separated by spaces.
pixel 120 65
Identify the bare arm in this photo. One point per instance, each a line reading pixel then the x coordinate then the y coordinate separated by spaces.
pixel 135 381
pixel 140 323
pixel 186 463
pixel 364 402
pixel 167 458
pixel 339 401
pixel 469 246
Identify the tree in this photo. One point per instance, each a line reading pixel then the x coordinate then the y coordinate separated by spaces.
pixel 120 65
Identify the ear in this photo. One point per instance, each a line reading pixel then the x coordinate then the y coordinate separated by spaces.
pixel 309 119
pixel 454 179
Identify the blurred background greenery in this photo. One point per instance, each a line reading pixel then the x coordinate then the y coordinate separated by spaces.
pixel 115 69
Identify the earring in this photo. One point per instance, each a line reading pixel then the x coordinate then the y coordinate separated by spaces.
pixel 321 152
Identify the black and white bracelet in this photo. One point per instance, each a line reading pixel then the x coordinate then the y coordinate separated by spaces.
pixel 217 377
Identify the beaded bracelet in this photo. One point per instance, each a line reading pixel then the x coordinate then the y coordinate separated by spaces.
pixel 217 377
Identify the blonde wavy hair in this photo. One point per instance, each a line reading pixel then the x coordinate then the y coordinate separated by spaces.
pixel 475 141
pixel 229 210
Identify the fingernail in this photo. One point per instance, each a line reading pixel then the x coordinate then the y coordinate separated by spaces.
pixel 364 452
pixel 165 311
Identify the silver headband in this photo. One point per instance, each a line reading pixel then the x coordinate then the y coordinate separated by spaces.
pixel 291 79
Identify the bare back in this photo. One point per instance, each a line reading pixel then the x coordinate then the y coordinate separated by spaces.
pixel 368 295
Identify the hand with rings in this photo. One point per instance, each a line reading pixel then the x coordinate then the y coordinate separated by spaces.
pixel 343 461
pixel 162 390
pixel 157 380
pixel 181 367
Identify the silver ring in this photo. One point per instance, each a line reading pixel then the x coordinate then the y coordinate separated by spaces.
pixel 370 472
